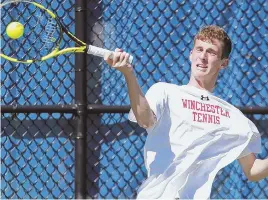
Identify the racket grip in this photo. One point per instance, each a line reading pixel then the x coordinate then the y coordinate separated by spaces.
pixel 100 52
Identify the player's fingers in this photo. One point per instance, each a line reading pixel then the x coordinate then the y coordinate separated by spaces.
pixel 116 57
pixel 108 57
pixel 118 50
pixel 125 60
pixel 122 57
pixel 112 58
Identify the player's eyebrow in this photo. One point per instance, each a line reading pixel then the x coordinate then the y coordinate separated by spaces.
pixel 209 49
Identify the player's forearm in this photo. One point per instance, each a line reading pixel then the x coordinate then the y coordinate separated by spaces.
pixel 138 102
pixel 259 170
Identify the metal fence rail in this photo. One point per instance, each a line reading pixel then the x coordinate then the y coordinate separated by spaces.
pixel 64 122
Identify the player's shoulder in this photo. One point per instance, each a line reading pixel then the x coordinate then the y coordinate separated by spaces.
pixel 163 90
pixel 234 109
pixel 227 104
pixel 165 86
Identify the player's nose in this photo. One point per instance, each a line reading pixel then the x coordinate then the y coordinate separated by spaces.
pixel 203 56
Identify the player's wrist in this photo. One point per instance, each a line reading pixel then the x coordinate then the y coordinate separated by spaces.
pixel 128 71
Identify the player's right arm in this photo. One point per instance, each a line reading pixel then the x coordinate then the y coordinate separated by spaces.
pixel 140 106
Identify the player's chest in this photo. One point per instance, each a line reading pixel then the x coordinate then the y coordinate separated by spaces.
pixel 199 110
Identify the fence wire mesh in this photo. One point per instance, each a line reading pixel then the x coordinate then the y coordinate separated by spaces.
pixel 37 150
pixel 37 156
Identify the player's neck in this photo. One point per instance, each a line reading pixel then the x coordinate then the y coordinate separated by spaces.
pixel 202 84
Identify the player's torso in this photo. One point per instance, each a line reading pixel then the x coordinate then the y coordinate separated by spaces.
pixel 192 118
pixel 196 113
pixel 196 130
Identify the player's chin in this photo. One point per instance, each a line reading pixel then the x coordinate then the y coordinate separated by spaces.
pixel 200 72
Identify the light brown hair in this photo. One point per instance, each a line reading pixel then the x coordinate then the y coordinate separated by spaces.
pixel 208 33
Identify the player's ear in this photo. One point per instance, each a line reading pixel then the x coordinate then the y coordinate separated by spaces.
pixel 224 63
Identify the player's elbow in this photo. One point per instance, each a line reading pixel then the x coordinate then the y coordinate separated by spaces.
pixel 146 119
pixel 250 175
pixel 145 123
pixel 258 171
pixel 252 178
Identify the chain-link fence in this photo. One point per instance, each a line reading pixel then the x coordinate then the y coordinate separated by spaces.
pixel 38 143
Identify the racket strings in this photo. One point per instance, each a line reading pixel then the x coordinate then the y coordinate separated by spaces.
pixel 50 29
pixel 41 34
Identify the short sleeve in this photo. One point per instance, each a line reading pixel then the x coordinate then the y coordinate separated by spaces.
pixel 254 145
pixel 156 98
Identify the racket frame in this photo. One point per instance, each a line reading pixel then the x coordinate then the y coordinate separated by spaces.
pixel 82 47
pixel 56 51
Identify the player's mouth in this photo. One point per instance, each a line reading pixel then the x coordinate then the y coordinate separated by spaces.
pixel 201 66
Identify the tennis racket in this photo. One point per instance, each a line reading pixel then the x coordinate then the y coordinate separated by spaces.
pixel 43 34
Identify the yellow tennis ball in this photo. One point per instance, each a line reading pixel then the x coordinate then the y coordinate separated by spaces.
pixel 15 30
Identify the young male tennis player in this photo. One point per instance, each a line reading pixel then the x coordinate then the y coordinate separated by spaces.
pixel 192 134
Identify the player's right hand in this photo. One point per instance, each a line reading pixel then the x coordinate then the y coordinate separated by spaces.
pixel 118 60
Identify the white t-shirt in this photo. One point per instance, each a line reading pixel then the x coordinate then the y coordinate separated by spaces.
pixel 196 135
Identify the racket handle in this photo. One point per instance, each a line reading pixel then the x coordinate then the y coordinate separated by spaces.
pixel 100 52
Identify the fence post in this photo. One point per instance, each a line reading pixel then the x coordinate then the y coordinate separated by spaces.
pixel 81 102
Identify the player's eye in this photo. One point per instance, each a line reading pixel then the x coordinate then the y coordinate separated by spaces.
pixel 213 53
pixel 199 49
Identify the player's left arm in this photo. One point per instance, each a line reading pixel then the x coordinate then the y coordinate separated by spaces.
pixel 255 169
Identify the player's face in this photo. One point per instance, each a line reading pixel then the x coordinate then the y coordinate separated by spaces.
pixel 206 59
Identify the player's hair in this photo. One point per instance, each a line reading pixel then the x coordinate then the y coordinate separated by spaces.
pixel 210 32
